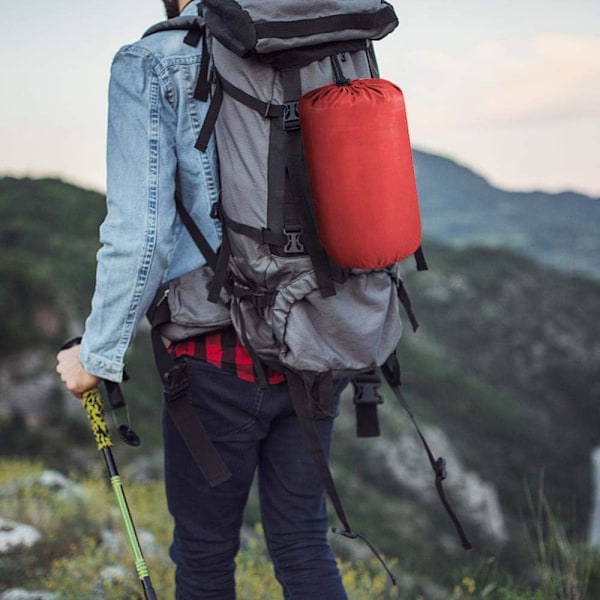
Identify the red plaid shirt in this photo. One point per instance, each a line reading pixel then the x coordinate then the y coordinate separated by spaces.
pixel 224 350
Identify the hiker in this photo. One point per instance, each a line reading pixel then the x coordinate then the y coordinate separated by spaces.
pixel 152 128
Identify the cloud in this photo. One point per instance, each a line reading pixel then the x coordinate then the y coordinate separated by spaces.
pixel 500 83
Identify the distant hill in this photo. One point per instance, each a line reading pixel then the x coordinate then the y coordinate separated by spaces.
pixel 460 207
pixel 48 240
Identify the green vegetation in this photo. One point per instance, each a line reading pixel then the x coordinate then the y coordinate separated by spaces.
pixel 48 236
pixel 84 552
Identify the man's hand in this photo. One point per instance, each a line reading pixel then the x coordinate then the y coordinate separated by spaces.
pixel 71 371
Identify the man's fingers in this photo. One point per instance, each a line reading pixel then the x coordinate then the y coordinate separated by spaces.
pixel 76 379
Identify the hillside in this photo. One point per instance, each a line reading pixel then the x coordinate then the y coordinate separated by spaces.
pixel 48 255
pixel 502 373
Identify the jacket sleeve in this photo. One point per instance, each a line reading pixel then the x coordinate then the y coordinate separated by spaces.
pixel 137 232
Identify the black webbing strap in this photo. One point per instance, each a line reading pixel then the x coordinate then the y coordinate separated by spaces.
pixel 259 300
pixel 338 72
pixel 266 109
pixel 302 399
pixel 366 400
pixel 218 262
pixel 199 238
pixel 202 88
pixel 372 60
pixel 420 260
pixel 173 373
pixel 406 303
pixel 301 395
pixel 221 271
pixel 176 386
pixel 208 126
pixel 114 394
pixel 256 362
pixel 259 235
pixel 391 371
pixel 301 193
pixel 175 381
pixel 195 34
pixel 368 22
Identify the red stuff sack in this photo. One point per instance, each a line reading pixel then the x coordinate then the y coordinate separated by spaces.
pixel 361 172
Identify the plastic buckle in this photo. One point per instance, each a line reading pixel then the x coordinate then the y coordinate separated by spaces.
pixel 441 472
pixel 294 243
pixel 215 210
pixel 262 300
pixel 175 381
pixel 365 392
pixel 291 116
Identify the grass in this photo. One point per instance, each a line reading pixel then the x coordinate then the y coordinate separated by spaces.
pixel 565 567
pixel 84 553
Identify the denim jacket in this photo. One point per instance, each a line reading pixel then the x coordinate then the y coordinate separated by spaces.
pixel 153 124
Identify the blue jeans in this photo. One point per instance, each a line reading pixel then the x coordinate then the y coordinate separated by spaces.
pixel 253 429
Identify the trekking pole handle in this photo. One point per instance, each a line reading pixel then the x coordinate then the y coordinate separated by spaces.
pixel 114 396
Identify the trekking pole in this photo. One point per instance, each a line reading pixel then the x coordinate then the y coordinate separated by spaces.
pixel 94 408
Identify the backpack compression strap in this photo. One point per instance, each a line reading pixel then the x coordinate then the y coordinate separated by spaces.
pixel 300 185
pixel 391 371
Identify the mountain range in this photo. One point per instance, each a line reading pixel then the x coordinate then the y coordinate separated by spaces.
pixel 459 207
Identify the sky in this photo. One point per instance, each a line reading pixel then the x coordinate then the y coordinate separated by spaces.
pixel 510 89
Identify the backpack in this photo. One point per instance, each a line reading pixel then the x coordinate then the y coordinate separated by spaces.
pixel 308 269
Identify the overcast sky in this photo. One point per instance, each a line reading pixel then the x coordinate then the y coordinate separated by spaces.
pixel 509 88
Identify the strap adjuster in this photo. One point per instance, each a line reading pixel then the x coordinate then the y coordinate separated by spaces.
pixel 294 243
pixel 441 471
pixel 175 382
pixel 365 392
pixel 291 116
pixel 271 110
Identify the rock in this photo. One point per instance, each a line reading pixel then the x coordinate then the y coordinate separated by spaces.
pixel 113 574
pixel 115 541
pixel 15 535
pixel 50 479
pixel 27 380
pixel 406 462
pixel 594 532
pixel 20 594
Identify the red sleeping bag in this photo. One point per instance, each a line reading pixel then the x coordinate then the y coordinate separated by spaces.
pixel 361 172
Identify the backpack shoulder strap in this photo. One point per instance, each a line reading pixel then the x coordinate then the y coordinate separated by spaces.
pixel 194 25
pixel 187 23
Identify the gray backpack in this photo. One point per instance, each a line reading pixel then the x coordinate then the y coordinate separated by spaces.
pixel 291 305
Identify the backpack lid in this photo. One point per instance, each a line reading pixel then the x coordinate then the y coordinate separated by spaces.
pixel 249 27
